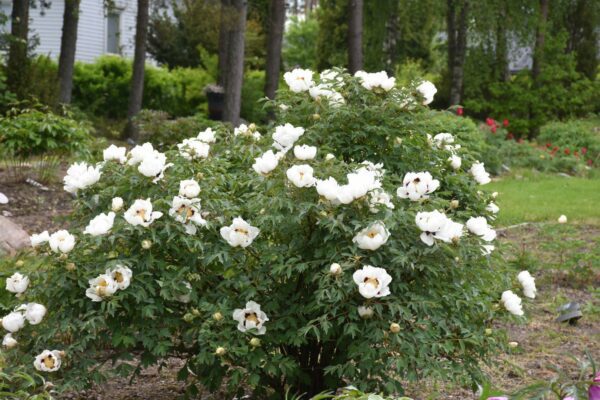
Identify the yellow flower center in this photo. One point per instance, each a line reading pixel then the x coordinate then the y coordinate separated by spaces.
pixel 252 317
pixel 49 361
pixel 372 234
pixel 241 230
pixel 371 281
pixel 186 211
pixel 118 277
pixel 141 213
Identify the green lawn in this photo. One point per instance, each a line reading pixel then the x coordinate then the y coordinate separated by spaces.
pixel 538 198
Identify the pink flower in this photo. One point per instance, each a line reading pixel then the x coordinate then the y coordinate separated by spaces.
pixel 490 121
pixel 594 391
pixel 459 111
pixel 505 122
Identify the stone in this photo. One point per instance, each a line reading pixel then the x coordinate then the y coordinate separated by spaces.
pixel 12 237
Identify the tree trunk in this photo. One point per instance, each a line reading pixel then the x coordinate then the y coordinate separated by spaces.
pixel 16 67
pixel 235 76
pixel 540 38
pixel 390 43
pixel 273 65
pixel 68 45
pixel 457 46
pixel 503 73
pixel 136 92
pixel 355 28
pixel 224 29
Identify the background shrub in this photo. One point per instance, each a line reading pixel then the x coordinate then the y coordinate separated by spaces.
pixel 576 135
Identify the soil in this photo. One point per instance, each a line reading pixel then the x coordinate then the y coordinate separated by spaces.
pixel 542 342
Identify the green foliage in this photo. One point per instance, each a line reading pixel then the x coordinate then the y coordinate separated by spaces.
pixel 299 44
pixel 332 16
pixel 17 384
pixel 442 297
pixel 34 131
pixel 102 88
pixel 157 128
pixel 252 92
pixel 6 96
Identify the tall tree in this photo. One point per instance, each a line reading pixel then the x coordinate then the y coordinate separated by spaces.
pixel 456 25
pixel 235 61
pixel 224 42
pixel 17 52
pixel 274 40
pixel 355 33
pixel 68 44
pixel 540 39
pixel 136 92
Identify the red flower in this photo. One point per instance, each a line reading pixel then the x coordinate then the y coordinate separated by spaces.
pixel 459 111
pixel 548 145
pixel 505 122
pixel 567 151
pixel 583 150
pixel 510 136
pixel 493 128
pixel 490 122
pixel 555 148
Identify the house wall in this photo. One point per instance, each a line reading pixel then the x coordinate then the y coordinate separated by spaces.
pixel 91 34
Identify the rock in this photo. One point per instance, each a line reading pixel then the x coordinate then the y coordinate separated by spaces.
pixel 12 236
pixel 3 198
pixel 6 213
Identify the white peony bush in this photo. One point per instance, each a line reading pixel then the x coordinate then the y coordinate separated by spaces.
pixel 336 245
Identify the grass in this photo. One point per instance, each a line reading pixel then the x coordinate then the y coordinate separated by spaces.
pixel 543 198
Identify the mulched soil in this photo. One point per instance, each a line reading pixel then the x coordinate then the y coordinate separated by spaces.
pixel 542 341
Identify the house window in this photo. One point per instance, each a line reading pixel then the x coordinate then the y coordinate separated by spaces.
pixel 113 33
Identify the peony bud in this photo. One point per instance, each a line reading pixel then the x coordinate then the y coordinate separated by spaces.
pixel 513 345
pixel 146 244
pixel 220 351
pixel 199 176
pixel 488 331
pixel 398 140
pixel 70 266
pixel 335 269
pixel 117 204
pixel 255 342
pixel 365 312
pixel 316 117
pixel 394 328
pixel 329 156
pixel 454 204
pixel 217 316
pixel 188 317
pixel 19 263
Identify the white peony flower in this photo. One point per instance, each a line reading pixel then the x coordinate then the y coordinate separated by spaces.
pixel 305 152
pixel 207 136
pixel 48 361
pixel 455 161
pixel 138 153
pixel 362 181
pixel 486 249
pixel 121 275
pixel 114 153
pixel 245 130
pixel 329 157
pixel 117 204
pixel 17 283
pixel 479 173
pixel 328 188
pixel 38 239
pixel 80 176
pixel 154 166
pixel 301 175
pixel 34 313
pixel 379 197
pixel 365 312
pixel 239 233
pixel 323 91
pixel 443 140
pixel 479 227
pixel 140 213
pixel 100 225
pixel 13 322
pixel 493 208
pixel 417 186
pixel 193 149
pixel 266 163
pixel 376 80
pixel 428 91
pixel 436 225
pixel 373 237
pixel 61 241
pixel 299 80
pixel 329 76
pixel 512 302
pixel 528 283
pixel 372 281
pixel 187 211
pixel 335 269
pixel 189 188
pixel 251 317
pixel 285 136
pixel 9 341
pixel 562 219
pixel 101 287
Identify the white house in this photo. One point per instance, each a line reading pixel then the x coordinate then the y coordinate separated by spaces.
pixel 100 30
